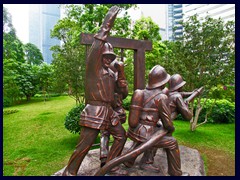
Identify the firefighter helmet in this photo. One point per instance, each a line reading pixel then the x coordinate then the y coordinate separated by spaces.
pixel 157 77
pixel 108 50
pixel 176 82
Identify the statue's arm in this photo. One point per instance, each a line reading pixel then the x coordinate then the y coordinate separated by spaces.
pixel 164 113
pixel 183 109
pixel 121 84
pixel 94 56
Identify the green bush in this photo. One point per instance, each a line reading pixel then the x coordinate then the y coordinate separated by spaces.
pixel 127 102
pixel 6 102
pixel 37 95
pixel 223 92
pixel 72 119
pixel 223 111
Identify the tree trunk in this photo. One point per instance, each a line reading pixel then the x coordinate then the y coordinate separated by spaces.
pixel 194 120
pixel 28 97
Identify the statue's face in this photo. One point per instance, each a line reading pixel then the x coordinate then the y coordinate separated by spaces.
pixel 106 61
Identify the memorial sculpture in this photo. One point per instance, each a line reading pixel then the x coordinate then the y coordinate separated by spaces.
pixel 147 107
pixel 101 85
pixel 118 69
pixel 176 97
pixel 177 105
pixel 150 119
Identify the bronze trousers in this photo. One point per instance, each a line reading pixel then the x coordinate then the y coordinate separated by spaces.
pixel 173 155
pixel 87 138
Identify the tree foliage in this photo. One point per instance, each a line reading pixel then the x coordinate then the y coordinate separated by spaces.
pixel 145 29
pixel 205 55
pixel 33 55
pixel 19 78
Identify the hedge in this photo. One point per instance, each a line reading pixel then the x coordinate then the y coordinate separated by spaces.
pixel 72 119
pixel 223 111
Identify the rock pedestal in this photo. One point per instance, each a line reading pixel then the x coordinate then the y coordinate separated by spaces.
pixel 191 162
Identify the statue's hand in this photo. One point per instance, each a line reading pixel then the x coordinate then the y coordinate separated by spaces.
pixel 110 17
pixel 119 66
pixel 107 23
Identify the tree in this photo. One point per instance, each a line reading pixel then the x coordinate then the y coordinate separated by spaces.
pixel 45 75
pixel 19 77
pixel 33 55
pixel 27 80
pixel 7 21
pixel 69 59
pixel 204 55
pixel 145 29
pixel 13 57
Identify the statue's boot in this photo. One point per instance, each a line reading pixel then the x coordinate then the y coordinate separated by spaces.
pixel 128 164
pixel 117 171
pixel 103 161
pixel 67 173
pixel 150 167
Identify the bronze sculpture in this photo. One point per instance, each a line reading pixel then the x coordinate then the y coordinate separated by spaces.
pixel 147 107
pixel 118 108
pixel 101 85
pixel 151 113
pixel 154 106
pixel 179 105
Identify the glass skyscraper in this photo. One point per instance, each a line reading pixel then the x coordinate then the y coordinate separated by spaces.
pixel 181 12
pixel 174 17
pixel 225 11
pixel 42 18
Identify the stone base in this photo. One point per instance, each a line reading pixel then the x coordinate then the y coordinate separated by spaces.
pixel 191 162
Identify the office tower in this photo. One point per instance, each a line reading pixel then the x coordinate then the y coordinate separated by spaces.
pixel 174 17
pixel 42 18
pixel 163 34
pixel 225 11
pixel 181 12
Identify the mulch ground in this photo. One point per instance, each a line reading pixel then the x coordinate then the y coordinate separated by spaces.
pixel 219 163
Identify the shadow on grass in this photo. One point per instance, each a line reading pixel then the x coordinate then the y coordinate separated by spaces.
pixel 32 101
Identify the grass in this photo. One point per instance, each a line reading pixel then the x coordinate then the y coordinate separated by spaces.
pixel 217 136
pixel 215 142
pixel 36 143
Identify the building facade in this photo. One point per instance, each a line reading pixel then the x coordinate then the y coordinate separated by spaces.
pixel 225 11
pixel 181 12
pixel 174 15
pixel 42 18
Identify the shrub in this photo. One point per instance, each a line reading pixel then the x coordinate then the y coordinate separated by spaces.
pixel 127 102
pixel 37 95
pixel 223 111
pixel 72 119
pixel 223 92
pixel 6 102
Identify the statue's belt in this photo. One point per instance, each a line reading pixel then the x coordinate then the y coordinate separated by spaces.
pixel 149 123
pixel 99 103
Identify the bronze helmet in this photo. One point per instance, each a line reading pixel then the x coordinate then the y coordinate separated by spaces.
pixel 176 82
pixel 108 50
pixel 157 77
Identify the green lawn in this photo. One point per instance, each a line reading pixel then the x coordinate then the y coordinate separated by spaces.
pixel 213 136
pixel 36 143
